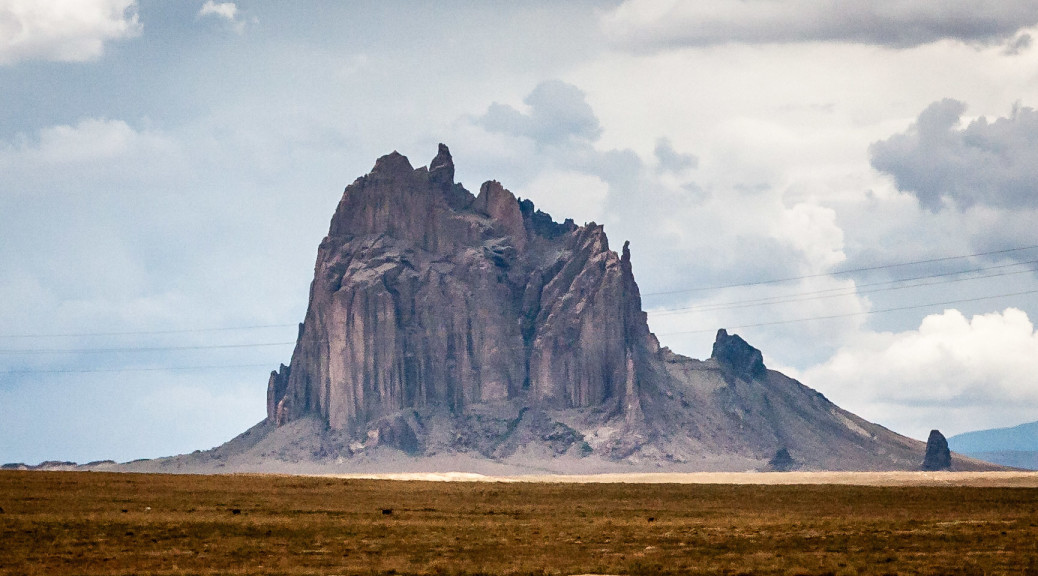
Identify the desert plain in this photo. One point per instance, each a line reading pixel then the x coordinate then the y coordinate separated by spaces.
pixel 754 523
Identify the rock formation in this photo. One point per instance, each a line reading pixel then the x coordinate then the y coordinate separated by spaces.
pixel 782 461
pixel 736 358
pixel 426 296
pixel 446 323
pixel 937 456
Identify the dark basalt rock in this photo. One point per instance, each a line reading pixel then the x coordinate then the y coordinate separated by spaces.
pixel 541 223
pixel 782 461
pixel 737 358
pixel 938 456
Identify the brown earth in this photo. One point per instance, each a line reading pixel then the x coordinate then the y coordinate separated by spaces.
pixel 102 523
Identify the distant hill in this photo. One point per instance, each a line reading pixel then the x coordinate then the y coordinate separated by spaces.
pixel 1016 446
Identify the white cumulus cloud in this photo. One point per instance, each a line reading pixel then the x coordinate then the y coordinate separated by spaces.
pixel 953 373
pixel 63 30
pixel 226 10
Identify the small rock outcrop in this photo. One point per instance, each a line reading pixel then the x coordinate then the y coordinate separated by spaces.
pixel 737 358
pixel 782 461
pixel 937 456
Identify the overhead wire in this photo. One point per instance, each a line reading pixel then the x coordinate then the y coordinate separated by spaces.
pixel 267 344
pixel 136 348
pixel 230 366
pixel 133 369
pixel 794 297
pixel 838 272
pixel 864 313
pixel 148 332
pixel 885 286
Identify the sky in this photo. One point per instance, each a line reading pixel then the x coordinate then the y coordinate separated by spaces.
pixel 850 186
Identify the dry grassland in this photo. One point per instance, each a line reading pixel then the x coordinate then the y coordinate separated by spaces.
pixel 101 523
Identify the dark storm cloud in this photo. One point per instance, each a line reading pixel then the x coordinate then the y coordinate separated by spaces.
pixel 646 24
pixel 986 163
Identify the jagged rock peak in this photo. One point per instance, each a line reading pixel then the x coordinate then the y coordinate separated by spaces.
pixel 392 164
pixel 938 456
pixel 501 205
pixel 443 159
pixel 737 358
pixel 441 169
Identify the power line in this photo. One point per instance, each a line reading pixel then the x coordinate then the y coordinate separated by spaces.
pixel 258 345
pixel 851 314
pixel 837 272
pixel 796 297
pixel 148 332
pixel 136 349
pixel 146 369
pixel 885 286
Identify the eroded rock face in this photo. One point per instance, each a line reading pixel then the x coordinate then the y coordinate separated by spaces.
pixel 425 296
pixel 937 456
pixel 442 322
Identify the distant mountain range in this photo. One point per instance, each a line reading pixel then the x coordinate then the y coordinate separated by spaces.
pixel 1016 446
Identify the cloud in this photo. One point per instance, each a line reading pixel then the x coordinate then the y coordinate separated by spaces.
pixel 140 229
pixel 226 10
pixel 89 140
pixel 145 413
pixel 682 234
pixel 656 24
pixel 988 163
pixel 1019 45
pixel 91 151
pixel 670 160
pixel 953 373
pixel 569 194
pixel 63 30
pixel 558 112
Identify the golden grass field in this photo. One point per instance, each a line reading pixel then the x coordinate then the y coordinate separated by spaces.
pixel 109 523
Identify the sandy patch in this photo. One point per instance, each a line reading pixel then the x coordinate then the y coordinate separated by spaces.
pixel 980 479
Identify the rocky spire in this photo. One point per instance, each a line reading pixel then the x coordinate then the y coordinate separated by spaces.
pixel 441 169
pixel 938 456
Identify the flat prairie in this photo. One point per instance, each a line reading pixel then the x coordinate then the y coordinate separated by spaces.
pixel 120 523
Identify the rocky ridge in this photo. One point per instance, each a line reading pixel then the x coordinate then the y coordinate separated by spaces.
pixel 474 330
